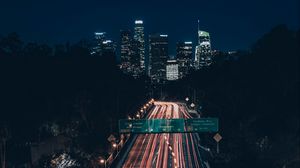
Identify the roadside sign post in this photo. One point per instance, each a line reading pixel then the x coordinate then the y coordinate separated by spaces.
pixel 217 138
pixel 111 138
pixel 202 125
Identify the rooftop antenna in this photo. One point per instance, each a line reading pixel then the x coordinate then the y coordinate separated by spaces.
pixel 198 25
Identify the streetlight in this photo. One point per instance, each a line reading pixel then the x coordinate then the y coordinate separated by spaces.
pixel 116 147
pixel 103 162
pixel 187 99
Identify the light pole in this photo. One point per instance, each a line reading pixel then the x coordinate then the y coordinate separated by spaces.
pixel 138 116
pixel 103 162
pixel 116 146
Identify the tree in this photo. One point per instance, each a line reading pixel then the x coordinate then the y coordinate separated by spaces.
pixel 5 135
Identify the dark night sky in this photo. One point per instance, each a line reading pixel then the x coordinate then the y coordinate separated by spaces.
pixel 233 24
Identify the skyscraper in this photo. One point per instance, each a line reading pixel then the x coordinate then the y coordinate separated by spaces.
pixel 139 37
pixel 126 40
pixel 102 46
pixel 135 58
pixel 158 55
pixel 203 55
pixel 99 37
pixel 184 53
pixel 109 48
pixel 172 70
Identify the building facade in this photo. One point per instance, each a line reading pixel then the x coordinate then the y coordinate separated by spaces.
pixel 135 59
pixel 139 37
pixel 184 54
pixel 102 46
pixel 203 56
pixel 109 48
pixel 172 71
pixel 99 37
pixel 158 56
pixel 125 53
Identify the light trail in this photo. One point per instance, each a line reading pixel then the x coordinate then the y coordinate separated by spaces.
pixel 167 150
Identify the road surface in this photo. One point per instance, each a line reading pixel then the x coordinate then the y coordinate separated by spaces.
pixel 165 150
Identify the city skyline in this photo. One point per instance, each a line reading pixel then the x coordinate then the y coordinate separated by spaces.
pixel 133 59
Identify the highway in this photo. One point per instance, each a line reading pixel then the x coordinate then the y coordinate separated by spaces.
pixel 165 150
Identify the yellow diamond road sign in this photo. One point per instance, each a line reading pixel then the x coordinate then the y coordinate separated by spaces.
pixel 217 137
pixel 111 138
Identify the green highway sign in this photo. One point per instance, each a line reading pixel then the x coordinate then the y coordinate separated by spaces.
pixel 202 125
pixel 133 126
pixel 166 125
pixel 179 125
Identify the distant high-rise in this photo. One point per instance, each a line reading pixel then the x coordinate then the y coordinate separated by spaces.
pixel 126 40
pixel 184 54
pixel 139 37
pixel 135 58
pixel 172 70
pixel 203 55
pixel 102 46
pixel 158 55
pixel 99 37
pixel 109 48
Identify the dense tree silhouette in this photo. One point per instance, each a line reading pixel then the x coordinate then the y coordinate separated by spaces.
pixel 63 84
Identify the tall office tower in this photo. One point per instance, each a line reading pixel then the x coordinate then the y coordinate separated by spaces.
pixel 139 37
pixel 135 59
pixel 109 48
pixel 100 37
pixel 126 40
pixel 158 55
pixel 98 41
pixel 203 55
pixel 172 70
pixel 184 54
